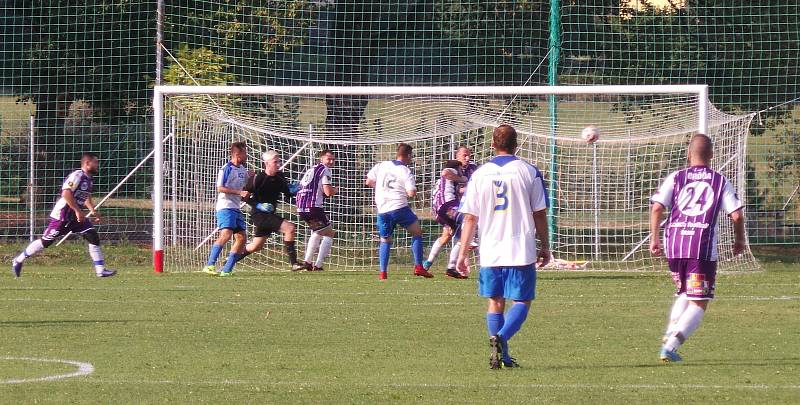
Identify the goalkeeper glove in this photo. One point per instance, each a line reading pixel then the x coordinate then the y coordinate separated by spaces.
pixel 265 207
pixel 294 188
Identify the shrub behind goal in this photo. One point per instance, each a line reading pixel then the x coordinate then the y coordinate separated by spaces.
pixel 599 192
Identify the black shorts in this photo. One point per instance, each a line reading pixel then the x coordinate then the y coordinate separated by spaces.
pixel 315 218
pixel 266 224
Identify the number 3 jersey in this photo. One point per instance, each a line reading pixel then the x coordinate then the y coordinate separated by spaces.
pixel 694 196
pixel 504 193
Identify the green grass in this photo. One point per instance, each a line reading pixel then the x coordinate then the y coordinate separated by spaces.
pixel 345 337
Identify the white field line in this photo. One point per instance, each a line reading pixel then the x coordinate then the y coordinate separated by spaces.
pixel 83 369
pixel 665 386
pixel 538 301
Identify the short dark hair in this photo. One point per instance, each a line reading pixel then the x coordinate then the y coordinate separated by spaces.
pixel 324 152
pixel 87 156
pixel 701 146
pixel 504 138
pixel 238 146
pixel 452 164
pixel 404 149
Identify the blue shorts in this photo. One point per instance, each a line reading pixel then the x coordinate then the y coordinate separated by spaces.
pixel 388 220
pixel 231 219
pixel 516 283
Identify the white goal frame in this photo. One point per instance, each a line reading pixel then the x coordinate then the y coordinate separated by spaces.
pixel 160 92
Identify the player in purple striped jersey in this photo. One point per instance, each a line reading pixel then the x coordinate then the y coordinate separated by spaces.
pixel 314 187
pixel 694 197
pixel 464 155
pixel 68 216
pixel 444 205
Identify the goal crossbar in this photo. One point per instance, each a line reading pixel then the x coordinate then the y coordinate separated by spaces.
pixel 160 92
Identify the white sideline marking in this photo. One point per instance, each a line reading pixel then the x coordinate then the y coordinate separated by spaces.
pixel 423 385
pixel 83 369
pixel 540 300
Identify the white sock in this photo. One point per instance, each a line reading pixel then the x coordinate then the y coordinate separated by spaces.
pixel 97 258
pixel 324 250
pixel 32 249
pixel 311 247
pixel 451 264
pixel 687 324
pixel 678 307
pixel 435 249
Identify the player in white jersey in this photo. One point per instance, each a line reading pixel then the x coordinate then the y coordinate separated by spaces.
pixel 394 184
pixel 231 180
pixel 444 204
pixel 695 196
pixel 506 200
pixel 68 216
pixel 314 187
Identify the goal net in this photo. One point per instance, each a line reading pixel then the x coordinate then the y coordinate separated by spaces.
pixel 599 193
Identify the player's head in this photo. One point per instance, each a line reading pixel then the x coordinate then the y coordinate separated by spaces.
pixel 404 153
pixel 701 150
pixel 238 152
pixel 463 155
pixel 90 164
pixel 272 162
pixel 504 139
pixel 326 157
pixel 452 164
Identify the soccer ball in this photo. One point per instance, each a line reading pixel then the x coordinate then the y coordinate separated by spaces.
pixel 590 134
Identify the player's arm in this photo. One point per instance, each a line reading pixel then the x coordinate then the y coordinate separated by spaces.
pixel 656 212
pixel 542 231
pixel 410 184
pixel 90 205
pixel 468 226
pixel 372 177
pixel 739 241
pixel 453 175
pixel 67 195
pixel 329 190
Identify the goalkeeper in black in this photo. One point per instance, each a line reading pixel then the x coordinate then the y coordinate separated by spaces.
pixel 266 188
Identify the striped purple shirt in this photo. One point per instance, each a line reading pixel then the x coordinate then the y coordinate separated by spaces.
pixel 81 185
pixel 694 196
pixel 444 192
pixel 311 194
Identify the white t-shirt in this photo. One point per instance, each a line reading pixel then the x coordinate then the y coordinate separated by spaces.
pixel 504 193
pixel 231 176
pixel 393 180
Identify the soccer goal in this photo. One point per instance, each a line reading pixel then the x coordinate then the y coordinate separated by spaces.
pixel 599 192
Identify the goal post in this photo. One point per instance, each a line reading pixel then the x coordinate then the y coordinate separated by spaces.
pixel 602 190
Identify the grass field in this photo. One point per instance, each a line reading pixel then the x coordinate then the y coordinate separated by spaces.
pixel 345 337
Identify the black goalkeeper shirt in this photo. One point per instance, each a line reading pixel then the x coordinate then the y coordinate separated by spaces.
pixel 268 189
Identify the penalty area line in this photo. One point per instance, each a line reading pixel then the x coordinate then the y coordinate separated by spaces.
pixel 83 369
pixel 763 387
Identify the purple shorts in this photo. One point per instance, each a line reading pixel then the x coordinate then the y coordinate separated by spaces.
pixel 694 277
pixel 57 228
pixel 315 218
pixel 446 214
